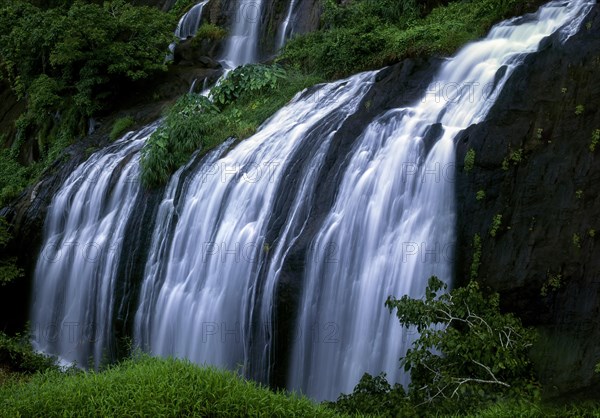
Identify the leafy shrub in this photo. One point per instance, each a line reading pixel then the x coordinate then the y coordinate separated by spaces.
pixel 196 123
pixel 211 31
pixel 17 354
pixel 182 132
pixel 120 126
pixel 252 78
pixel 480 195
pixel 374 395
pixel 468 354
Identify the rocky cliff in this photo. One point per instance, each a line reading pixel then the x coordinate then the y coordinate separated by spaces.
pixel 536 168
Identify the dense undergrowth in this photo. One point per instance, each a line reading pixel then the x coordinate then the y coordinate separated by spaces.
pixel 68 62
pixel 367 34
pixel 240 103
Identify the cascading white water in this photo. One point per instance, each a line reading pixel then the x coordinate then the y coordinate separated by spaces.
pixel 242 43
pixel 200 302
pixel 190 22
pixel 392 223
pixel 76 272
pixel 285 31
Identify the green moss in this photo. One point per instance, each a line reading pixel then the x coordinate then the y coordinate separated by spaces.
pixel 595 140
pixel 576 240
pixel 120 126
pixel 553 283
pixel 469 160
pixel 495 226
pixel 476 262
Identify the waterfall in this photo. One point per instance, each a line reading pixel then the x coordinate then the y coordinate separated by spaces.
pixel 242 43
pixel 189 22
pixel 199 303
pixel 286 31
pixel 73 296
pixel 228 221
pixel 392 223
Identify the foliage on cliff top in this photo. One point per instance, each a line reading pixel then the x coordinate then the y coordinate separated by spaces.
pixel 366 34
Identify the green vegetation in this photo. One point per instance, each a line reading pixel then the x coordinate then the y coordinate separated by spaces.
pixel 366 34
pixel 595 140
pixel 468 355
pixel 150 387
pixel 592 233
pixel 579 194
pixel 474 355
pixel 476 262
pixel 120 127
pixel 68 63
pixel 514 158
pixel 245 99
pixel 210 31
pixel 553 283
pixel 9 270
pixel 181 7
pixel 480 195
pixel 576 240
pixel 539 134
pixel 14 176
pixel 17 354
pixel 496 223
pixel 579 110
pixel 469 160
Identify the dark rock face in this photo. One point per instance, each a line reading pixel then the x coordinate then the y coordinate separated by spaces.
pixel 549 198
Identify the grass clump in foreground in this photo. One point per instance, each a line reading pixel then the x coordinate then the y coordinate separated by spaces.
pixel 244 100
pixel 150 387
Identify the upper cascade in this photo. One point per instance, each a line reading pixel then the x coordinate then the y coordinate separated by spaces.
pixel 242 43
pixel 190 22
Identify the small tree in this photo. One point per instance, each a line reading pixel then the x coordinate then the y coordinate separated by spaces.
pixel 468 352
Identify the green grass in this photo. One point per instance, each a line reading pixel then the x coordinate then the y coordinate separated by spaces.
pixel 150 387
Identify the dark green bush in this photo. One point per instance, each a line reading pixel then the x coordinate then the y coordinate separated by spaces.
pixel 16 354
